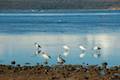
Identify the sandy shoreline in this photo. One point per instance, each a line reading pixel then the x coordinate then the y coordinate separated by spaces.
pixel 59 72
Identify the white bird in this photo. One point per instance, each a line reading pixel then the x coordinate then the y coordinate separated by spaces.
pixel 45 55
pixel 66 47
pixel 66 50
pixel 37 52
pixel 82 47
pixel 96 55
pixel 37 45
pixel 82 55
pixel 97 50
pixel 60 60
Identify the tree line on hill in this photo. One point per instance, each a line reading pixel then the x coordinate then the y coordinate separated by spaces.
pixel 56 4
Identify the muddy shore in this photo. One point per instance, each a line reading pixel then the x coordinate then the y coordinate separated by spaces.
pixel 59 72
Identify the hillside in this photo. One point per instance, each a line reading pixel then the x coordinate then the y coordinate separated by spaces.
pixel 58 4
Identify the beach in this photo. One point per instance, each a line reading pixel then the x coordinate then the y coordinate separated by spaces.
pixel 59 72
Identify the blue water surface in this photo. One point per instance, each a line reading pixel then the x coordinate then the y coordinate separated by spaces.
pixel 53 29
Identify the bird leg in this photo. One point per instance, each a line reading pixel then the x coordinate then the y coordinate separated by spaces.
pixel 46 62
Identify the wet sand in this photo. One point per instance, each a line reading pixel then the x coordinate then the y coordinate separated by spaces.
pixel 59 72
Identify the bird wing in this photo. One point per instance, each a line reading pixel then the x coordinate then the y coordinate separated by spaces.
pixel 60 60
pixel 83 48
pixel 65 47
pixel 95 48
pixel 45 56
pixel 82 55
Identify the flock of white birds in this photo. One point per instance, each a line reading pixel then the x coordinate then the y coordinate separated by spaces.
pixel 60 59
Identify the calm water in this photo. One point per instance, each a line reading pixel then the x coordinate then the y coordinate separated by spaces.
pixel 19 31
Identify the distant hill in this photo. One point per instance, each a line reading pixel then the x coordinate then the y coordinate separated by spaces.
pixel 59 4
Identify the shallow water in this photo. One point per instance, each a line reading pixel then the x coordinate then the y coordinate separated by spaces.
pixel 19 32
